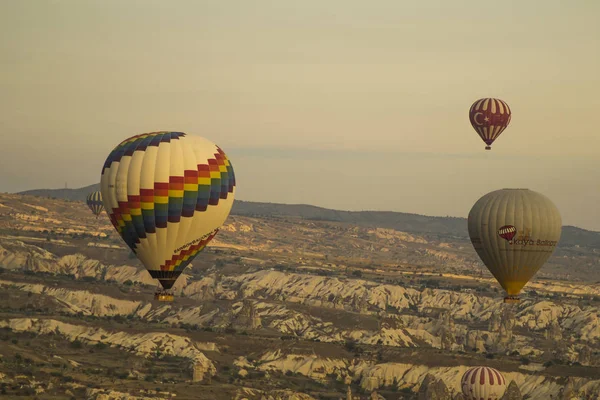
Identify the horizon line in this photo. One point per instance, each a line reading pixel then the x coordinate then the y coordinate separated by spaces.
pixel 307 205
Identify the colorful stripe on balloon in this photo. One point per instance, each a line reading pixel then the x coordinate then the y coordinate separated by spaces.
pixel 181 260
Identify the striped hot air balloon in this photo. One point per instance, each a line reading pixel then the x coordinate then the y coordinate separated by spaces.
pixel 483 383
pixel 489 118
pixel 94 202
pixel 167 194
pixel 507 232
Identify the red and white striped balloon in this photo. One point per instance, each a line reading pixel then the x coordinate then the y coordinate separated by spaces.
pixel 489 117
pixel 483 383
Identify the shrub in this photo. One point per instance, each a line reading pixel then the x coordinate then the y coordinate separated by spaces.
pixel 357 273
pixel 350 345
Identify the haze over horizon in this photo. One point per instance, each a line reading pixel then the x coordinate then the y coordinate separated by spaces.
pixel 344 105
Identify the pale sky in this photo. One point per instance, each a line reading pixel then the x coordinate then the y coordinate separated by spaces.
pixel 346 104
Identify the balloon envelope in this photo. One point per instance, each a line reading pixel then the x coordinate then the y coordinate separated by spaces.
pixel 514 232
pixel 167 194
pixel 489 117
pixel 483 383
pixel 94 202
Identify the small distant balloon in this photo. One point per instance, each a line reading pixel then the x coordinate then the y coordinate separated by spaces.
pixel 483 383
pixel 94 202
pixel 489 117
pixel 167 194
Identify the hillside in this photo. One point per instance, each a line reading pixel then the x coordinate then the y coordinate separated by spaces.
pixel 276 306
pixel 79 194
pixel 414 223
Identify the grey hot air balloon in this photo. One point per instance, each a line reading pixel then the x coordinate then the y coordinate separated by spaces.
pixel 514 232
pixel 94 202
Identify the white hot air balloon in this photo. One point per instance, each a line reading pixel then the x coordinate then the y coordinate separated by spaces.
pixel 483 383
pixel 514 232
pixel 167 194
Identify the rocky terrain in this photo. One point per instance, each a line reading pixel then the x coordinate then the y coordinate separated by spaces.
pixel 285 306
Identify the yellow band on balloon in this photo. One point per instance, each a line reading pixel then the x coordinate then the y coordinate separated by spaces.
pixel 513 288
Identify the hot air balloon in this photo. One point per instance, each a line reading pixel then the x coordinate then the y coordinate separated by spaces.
pixel 483 383
pixel 514 232
pixel 167 194
pixel 94 202
pixel 489 118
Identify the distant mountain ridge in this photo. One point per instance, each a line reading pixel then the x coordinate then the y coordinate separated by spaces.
pixel 65 194
pixel 414 223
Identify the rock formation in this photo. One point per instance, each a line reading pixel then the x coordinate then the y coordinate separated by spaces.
pixel 200 372
pixel 360 303
pixel 433 389
pixel 349 394
pixel 475 342
pixel 554 332
pixel 512 392
pixel 585 356
pixel 447 321
pixel 505 331
pixel 505 334
pixel 447 339
pixel 247 318
pixel 376 396
pixel 508 317
pixel 494 323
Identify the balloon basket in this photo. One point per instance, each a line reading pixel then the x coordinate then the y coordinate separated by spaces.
pixel 512 299
pixel 163 296
pixel 488 147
